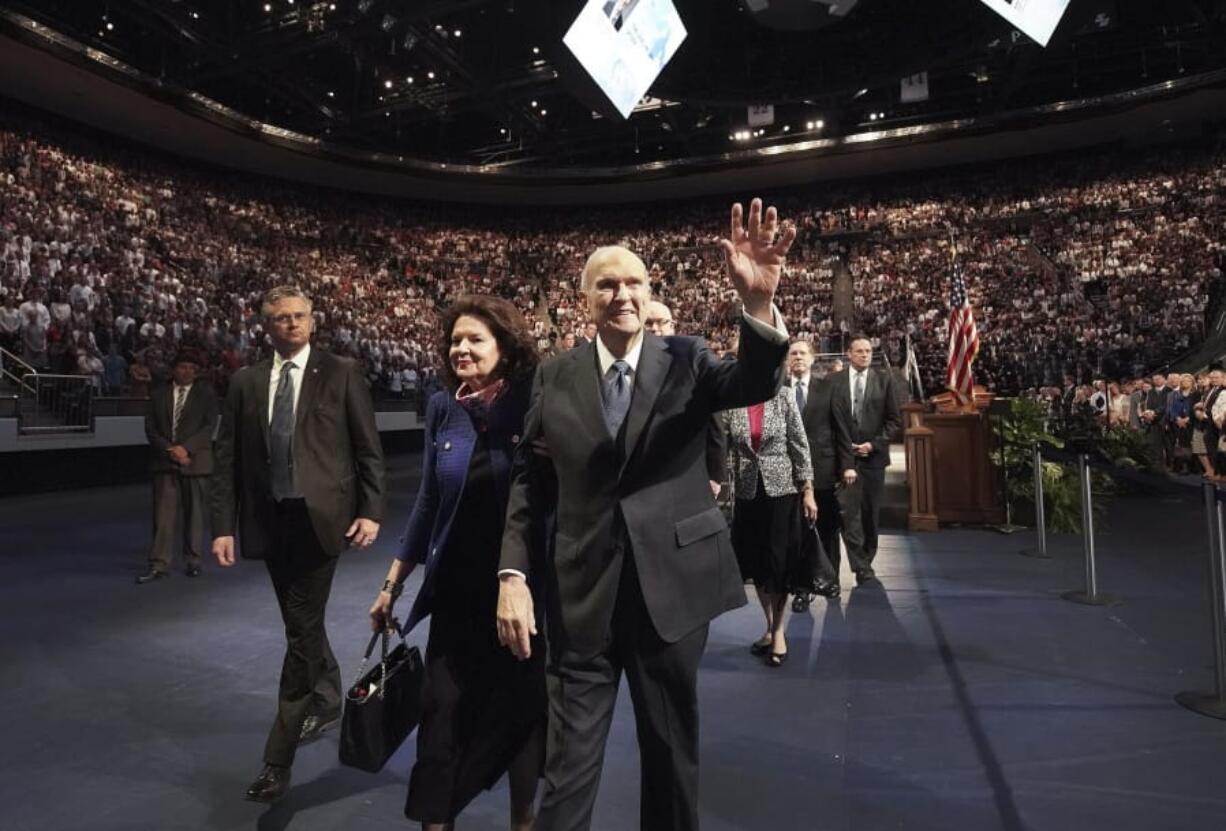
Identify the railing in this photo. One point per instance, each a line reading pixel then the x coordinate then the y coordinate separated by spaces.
pixel 1205 702
pixel 10 362
pixel 52 404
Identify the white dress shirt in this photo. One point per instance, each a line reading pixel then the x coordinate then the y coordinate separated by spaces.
pixel 300 359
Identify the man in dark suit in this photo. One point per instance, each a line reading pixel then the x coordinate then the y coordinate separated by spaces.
pixel 641 561
pixel 1154 417
pixel 866 405
pixel 179 425
pixel 300 476
pixel 830 449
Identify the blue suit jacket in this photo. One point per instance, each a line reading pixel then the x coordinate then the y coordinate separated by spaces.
pixel 449 442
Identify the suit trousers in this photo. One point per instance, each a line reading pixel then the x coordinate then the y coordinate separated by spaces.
pixel 310 679
pixel 175 496
pixel 663 688
pixel 829 520
pixel 861 508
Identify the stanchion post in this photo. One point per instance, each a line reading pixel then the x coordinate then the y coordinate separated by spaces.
pixel 1090 596
pixel 1214 704
pixel 1040 512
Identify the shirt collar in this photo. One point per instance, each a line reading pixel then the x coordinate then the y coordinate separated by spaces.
pixel 607 358
pixel 299 358
pixel 801 381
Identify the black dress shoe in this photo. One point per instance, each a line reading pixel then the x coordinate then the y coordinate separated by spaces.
pixel 150 575
pixel 760 647
pixel 866 577
pixel 314 726
pixel 828 588
pixel 270 785
pixel 776 659
pixel 193 571
pixel 800 603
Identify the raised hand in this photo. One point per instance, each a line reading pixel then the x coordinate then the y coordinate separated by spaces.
pixel 755 253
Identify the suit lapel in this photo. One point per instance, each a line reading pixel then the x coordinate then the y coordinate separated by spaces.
pixel 310 387
pixel 654 363
pixel 811 398
pixel 585 381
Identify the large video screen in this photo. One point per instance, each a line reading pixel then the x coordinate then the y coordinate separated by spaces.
pixel 623 45
pixel 1036 19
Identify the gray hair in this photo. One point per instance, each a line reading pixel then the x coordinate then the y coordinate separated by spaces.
pixel 275 295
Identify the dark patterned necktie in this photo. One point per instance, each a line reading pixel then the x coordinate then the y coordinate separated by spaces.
pixel 281 435
pixel 180 397
pixel 857 398
pixel 616 396
pixel 800 395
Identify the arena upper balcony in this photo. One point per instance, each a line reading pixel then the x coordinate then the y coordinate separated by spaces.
pixel 436 102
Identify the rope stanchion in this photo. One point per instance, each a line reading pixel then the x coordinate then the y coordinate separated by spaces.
pixel 1214 704
pixel 1090 596
pixel 1040 513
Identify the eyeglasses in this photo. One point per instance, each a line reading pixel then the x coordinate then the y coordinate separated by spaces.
pixel 296 317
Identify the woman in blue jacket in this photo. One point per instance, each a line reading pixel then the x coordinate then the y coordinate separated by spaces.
pixel 483 711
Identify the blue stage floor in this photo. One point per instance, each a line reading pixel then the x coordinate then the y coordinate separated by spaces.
pixel 962 694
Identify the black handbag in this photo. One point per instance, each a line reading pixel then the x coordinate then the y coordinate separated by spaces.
pixel 383 705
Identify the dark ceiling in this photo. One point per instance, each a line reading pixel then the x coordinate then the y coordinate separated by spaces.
pixel 489 81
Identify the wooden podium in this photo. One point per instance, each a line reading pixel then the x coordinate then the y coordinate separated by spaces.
pixel 951 474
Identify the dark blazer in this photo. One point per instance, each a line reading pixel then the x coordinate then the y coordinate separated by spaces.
pixel 196 425
pixel 654 496
pixel 880 415
pixel 449 442
pixel 338 461
pixel 829 442
pixel 1156 400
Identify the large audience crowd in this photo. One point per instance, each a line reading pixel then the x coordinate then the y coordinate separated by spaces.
pixel 1084 266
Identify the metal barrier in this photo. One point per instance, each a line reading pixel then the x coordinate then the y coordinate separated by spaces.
pixel 15 370
pixel 1040 512
pixel 56 404
pixel 1090 595
pixel 1214 704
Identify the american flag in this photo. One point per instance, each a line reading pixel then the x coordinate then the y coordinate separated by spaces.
pixel 963 340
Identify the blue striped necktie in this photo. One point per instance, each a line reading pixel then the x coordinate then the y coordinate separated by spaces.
pixel 616 396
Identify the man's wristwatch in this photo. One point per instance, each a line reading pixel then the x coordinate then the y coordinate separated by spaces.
pixel 393 588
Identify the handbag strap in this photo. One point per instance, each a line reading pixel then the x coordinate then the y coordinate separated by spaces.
pixel 370 648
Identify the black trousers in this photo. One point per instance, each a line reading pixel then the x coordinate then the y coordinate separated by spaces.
pixel 178 516
pixel 310 679
pixel 861 510
pixel 663 687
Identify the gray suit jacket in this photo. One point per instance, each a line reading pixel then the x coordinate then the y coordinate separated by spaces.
pixel 644 496
pixel 197 423
pixel 880 415
pixel 829 444
pixel 782 459
pixel 338 460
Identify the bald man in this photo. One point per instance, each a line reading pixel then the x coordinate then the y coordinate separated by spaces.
pixel 640 560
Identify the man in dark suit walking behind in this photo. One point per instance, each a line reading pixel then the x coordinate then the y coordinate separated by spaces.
pixel 830 449
pixel 640 561
pixel 300 477
pixel 866 405
pixel 179 425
